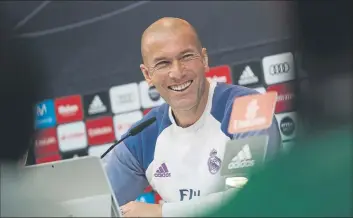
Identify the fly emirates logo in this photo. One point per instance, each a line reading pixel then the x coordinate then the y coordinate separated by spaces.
pixel 252 112
pixel 100 130
pixel 73 136
pixel 105 130
pixel 46 141
pixel 285 97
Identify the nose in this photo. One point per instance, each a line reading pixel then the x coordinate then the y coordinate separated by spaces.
pixel 176 70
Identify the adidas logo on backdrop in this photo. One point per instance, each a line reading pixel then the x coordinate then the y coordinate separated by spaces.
pixel 96 106
pixel 247 77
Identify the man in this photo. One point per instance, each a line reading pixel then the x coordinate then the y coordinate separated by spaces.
pixel 181 153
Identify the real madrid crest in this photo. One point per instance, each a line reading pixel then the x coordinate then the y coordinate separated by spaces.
pixel 214 162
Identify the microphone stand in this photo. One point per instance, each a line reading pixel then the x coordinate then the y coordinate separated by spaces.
pixel 115 144
pixel 133 131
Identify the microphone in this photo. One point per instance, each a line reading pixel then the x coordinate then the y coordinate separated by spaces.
pixel 249 113
pixel 241 156
pixel 133 131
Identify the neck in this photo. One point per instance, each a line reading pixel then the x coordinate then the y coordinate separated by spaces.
pixel 185 118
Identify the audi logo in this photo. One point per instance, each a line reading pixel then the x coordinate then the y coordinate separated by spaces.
pixel 276 69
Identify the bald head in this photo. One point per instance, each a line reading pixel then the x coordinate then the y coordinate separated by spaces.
pixel 166 27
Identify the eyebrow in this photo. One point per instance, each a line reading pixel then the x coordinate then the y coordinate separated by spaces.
pixel 158 59
pixel 181 53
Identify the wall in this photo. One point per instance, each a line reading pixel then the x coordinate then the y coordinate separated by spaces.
pixel 89 49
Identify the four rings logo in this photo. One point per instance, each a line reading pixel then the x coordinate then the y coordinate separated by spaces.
pixel 276 69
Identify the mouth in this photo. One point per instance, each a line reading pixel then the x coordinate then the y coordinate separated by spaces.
pixel 181 87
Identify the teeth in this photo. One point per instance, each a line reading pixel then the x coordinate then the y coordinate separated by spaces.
pixel 181 87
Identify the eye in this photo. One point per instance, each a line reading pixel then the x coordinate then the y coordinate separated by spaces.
pixel 187 56
pixel 162 63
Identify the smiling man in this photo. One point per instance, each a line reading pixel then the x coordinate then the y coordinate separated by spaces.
pixel 180 155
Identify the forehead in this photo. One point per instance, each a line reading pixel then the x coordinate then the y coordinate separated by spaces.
pixel 169 45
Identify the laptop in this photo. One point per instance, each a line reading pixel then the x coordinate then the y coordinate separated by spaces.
pixel 80 186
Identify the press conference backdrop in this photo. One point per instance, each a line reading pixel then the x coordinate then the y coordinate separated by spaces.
pixel 93 88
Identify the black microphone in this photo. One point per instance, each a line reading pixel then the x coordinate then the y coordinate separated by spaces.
pixel 133 131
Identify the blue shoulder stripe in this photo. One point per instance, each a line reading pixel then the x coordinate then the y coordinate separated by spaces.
pixel 222 103
pixel 142 145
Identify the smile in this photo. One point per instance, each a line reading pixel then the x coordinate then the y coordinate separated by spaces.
pixel 181 87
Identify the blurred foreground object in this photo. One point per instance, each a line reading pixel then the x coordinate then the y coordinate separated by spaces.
pixel 315 177
pixel 19 86
pixel 18 93
pixel 18 203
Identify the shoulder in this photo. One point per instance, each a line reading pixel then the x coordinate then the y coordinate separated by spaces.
pixel 225 93
pixel 223 98
pixel 142 145
pixel 222 105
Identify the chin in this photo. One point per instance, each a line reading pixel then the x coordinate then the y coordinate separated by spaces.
pixel 184 106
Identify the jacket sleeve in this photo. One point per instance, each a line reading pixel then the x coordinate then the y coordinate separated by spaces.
pixel 125 174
